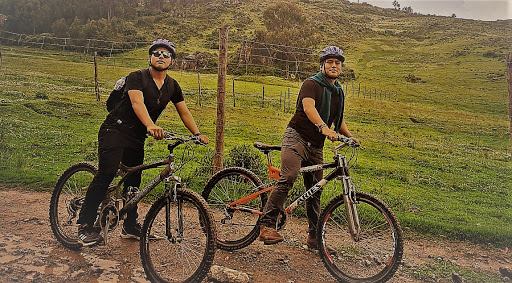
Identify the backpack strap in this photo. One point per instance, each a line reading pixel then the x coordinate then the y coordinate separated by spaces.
pixel 146 77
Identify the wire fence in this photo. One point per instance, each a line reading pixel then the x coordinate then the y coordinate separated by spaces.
pixel 246 58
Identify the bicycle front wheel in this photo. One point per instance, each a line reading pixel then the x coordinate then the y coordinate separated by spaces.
pixel 66 202
pixel 178 239
pixel 375 255
pixel 236 228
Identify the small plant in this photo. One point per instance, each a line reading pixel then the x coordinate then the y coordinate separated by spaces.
pixel 413 79
pixel 41 95
pixel 247 157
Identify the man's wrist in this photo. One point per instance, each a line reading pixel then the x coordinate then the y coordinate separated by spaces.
pixel 320 126
pixel 197 134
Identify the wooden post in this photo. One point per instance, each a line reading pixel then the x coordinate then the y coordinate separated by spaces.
pixel 288 99
pixel 199 86
pixel 96 87
pixel 218 158
pixel 263 97
pixel 509 79
pixel 280 99
pixel 234 97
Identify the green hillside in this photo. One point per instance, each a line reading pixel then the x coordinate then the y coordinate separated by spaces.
pixel 435 126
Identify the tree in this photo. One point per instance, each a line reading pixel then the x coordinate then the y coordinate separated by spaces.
pixel 286 24
pixel 396 5
pixel 2 20
pixel 408 10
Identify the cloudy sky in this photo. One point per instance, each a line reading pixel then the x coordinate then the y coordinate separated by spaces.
pixel 486 10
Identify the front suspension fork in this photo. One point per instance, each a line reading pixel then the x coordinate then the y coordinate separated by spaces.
pixel 349 199
pixel 171 196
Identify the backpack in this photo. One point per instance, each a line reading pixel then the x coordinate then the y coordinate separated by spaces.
pixel 117 94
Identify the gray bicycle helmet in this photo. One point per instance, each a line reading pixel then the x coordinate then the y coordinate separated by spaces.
pixel 332 52
pixel 163 43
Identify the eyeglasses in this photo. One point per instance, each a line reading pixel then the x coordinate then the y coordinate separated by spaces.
pixel 166 54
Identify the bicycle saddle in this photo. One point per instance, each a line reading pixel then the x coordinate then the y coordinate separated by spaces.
pixel 266 147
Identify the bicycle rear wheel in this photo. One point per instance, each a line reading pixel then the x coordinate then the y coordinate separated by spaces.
pixel 178 239
pixel 236 229
pixel 66 202
pixel 375 256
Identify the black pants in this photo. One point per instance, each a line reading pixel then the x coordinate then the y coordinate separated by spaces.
pixel 113 147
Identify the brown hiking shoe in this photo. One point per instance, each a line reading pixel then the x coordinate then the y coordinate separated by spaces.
pixel 269 236
pixel 313 244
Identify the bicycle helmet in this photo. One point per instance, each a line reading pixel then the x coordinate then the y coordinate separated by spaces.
pixel 332 52
pixel 163 43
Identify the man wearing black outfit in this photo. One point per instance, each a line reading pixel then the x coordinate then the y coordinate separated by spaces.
pixel 320 105
pixel 121 136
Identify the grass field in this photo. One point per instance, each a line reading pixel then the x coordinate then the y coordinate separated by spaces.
pixel 438 154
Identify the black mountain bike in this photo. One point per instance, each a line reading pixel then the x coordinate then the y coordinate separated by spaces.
pixel 178 236
pixel 362 229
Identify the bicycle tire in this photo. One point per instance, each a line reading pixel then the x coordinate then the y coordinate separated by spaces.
pixel 378 253
pixel 235 229
pixel 66 202
pixel 178 259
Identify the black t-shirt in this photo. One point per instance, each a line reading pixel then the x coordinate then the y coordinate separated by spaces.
pixel 155 100
pixel 300 121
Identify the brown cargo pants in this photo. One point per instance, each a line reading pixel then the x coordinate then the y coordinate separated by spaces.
pixel 296 153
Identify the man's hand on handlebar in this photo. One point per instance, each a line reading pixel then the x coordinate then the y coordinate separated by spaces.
pixel 156 132
pixel 330 134
pixel 204 139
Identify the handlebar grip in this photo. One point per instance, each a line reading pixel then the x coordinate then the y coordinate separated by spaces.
pixel 258 144
pixel 348 141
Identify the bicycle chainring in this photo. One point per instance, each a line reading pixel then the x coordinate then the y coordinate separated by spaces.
pixel 109 217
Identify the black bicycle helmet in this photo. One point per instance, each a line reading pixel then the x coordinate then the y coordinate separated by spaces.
pixel 163 43
pixel 332 52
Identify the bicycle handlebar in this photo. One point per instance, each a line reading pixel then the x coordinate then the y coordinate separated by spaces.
pixel 182 138
pixel 348 141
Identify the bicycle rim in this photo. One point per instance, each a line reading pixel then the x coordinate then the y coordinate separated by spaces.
pixel 178 258
pixel 235 229
pixel 66 202
pixel 378 252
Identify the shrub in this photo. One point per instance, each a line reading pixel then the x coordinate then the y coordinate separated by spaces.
pixel 413 79
pixel 247 157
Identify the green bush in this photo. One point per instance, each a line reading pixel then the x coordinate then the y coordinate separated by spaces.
pixel 247 157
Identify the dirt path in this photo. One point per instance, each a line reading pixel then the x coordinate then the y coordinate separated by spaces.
pixel 30 253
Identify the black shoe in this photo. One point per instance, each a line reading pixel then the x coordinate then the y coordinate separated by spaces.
pixel 131 232
pixel 88 235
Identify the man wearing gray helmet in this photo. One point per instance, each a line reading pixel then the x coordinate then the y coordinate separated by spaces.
pixel 121 136
pixel 319 106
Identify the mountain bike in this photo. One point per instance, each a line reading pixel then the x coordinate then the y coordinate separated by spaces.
pixel 362 229
pixel 178 235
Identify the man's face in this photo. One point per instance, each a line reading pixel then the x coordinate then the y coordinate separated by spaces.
pixel 161 59
pixel 332 68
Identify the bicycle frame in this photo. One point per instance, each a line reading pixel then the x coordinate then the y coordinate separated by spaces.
pixel 341 172
pixel 166 175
